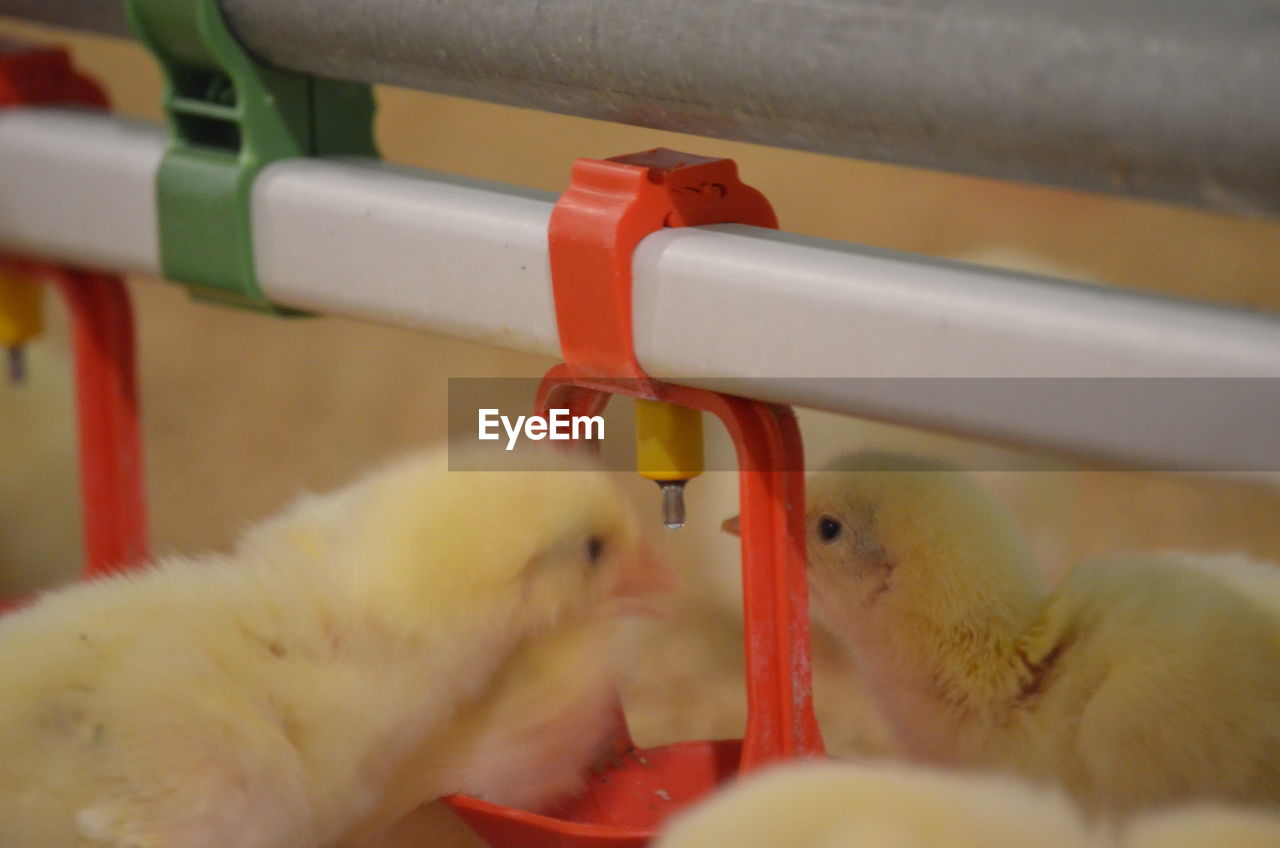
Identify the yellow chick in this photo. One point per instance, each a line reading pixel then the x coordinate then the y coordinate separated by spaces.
pixel 847 805
pixel 526 741
pixel 1204 826
pixel 283 695
pixel 1142 680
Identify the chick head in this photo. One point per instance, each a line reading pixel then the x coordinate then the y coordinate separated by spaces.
pixel 904 536
pixel 547 538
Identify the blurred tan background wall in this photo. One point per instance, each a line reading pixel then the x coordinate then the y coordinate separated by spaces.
pixel 243 411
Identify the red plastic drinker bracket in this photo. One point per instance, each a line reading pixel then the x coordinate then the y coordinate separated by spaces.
pixel 780 722
pixel 111 483
pixel 111 480
pixel 597 224
pixel 33 74
pixel 610 206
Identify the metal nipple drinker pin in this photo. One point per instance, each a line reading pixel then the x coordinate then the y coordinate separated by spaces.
pixel 21 320
pixel 669 451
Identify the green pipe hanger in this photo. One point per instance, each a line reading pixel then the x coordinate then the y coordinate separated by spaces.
pixel 229 116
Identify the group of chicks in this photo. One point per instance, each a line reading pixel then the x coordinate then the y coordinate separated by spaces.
pixel 424 632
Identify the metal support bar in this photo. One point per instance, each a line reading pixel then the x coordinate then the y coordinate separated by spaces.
pixel 104 16
pixel 763 314
pixel 1175 100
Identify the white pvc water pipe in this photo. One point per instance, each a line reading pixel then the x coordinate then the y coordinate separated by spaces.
pixel 1065 366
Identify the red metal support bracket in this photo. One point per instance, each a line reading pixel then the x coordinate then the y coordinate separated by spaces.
pixel 597 224
pixel 111 476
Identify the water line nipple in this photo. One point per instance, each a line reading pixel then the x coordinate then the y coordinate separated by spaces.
pixel 672 503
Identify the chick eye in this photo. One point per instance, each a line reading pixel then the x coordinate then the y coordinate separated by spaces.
pixel 829 529
pixel 595 548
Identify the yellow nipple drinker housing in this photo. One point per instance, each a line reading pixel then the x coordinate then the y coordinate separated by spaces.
pixel 669 451
pixel 21 319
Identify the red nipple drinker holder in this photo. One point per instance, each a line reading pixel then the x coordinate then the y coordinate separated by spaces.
pixel 111 476
pixel 595 227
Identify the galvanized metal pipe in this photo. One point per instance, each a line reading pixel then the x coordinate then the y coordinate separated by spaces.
pixel 104 16
pixel 1174 100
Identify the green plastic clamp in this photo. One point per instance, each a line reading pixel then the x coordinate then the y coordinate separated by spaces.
pixel 229 116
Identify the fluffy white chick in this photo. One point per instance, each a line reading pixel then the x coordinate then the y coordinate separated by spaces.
pixel 846 805
pixel 1142 680
pixel 1204 826
pixel 277 696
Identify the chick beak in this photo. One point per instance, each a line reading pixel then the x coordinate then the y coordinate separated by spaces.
pixel 641 580
pixel 730 526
